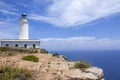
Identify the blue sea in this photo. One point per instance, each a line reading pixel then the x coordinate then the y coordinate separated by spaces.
pixel 108 60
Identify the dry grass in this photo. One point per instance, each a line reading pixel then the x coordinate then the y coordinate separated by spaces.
pixel 12 72
pixel 17 49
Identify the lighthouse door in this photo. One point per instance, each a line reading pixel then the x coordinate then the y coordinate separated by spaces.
pixel 34 46
pixel 25 46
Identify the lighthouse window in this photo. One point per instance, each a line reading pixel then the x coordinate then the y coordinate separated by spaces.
pixel 16 45
pixel 34 46
pixel 25 46
pixel 7 45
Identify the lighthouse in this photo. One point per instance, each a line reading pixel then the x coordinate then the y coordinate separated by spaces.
pixel 24 27
pixel 23 41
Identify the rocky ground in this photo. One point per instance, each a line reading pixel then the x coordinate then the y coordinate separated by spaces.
pixel 53 68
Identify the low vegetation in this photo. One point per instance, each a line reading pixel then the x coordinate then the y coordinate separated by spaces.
pixel 31 58
pixel 4 49
pixel 56 55
pixel 43 50
pixel 82 64
pixel 16 49
pixel 13 73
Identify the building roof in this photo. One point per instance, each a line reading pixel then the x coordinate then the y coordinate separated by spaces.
pixel 18 40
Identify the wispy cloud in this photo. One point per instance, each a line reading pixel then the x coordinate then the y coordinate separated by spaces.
pixel 8 30
pixel 7 6
pixel 7 12
pixel 79 43
pixel 75 12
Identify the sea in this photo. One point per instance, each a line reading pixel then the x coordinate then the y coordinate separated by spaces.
pixel 108 60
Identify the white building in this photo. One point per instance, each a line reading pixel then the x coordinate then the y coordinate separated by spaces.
pixel 23 40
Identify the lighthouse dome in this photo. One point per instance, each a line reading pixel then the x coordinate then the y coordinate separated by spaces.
pixel 24 18
pixel 24 14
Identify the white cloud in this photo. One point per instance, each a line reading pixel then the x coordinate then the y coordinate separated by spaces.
pixel 75 12
pixel 79 43
pixel 8 30
pixel 7 6
pixel 7 12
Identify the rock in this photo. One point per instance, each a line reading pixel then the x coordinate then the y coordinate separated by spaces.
pixel 92 73
pixel 76 73
pixel 51 68
pixel 96 71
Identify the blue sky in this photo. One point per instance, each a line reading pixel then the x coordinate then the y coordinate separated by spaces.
pixel 65 24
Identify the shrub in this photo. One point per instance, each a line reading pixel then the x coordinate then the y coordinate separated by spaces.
pixel 82 64
pixel 13 73
pixel 18 49
pixel 43 50
pixel 4 49
pixel 64 57
pixel 56 55
pixel 31 58
pixel 10 53
pixel 49 62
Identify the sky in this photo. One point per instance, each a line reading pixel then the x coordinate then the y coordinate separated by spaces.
pixel 65 24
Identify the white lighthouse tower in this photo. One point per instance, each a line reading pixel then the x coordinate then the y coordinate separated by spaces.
pixel 24 31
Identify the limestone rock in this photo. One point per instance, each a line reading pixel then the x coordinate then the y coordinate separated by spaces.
pixel 92 73
pixel 53 68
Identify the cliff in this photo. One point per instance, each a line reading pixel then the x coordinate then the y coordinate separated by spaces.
pixel 53 68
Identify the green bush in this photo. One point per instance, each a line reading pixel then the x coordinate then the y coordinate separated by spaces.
pixel 4 49
pixel 13 73
pixel 43 50
pixel 55 55
pixel 31 58
pixel 82 64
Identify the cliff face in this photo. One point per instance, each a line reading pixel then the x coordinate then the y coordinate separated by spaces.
pixel 53 68
pixel 92 73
